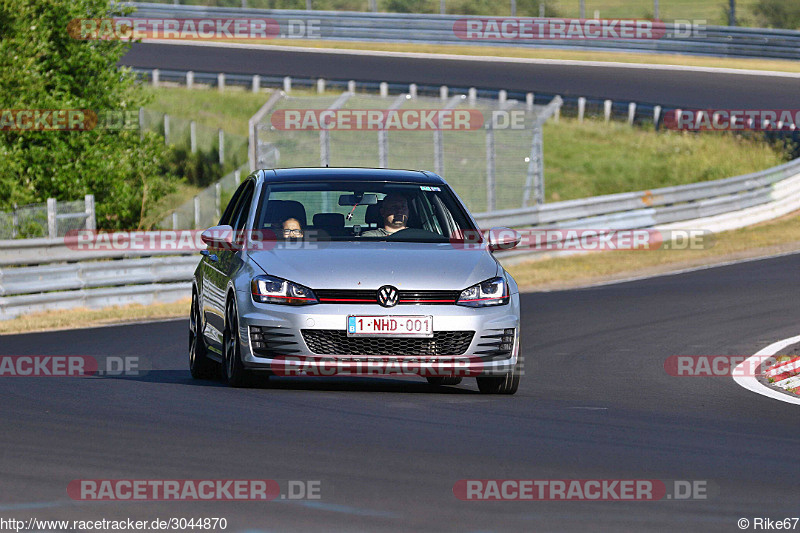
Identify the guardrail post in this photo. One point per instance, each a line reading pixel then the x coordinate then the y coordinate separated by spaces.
pixel 442 10
pixel 443 92
pixel 237 176
pixel 412 91
pixel 351 86
pixel 308 5
pixel 373 6
pixel 631 113
pixel 196 212
pixel 166 129
pixel 541 9
pixel 472 95
pixel 91 220
pixel 193 136
pixel 529 101
pixel 384 88
pixel 321 85
pixel 52 222
pixel 656 115
pixel 490 169
pixel 221 143
pixel 557 114
pixel 221 82
pixel 607 110
pixel 175 220
pixel 256 83
pixel 218 200
pixel 189 79
pixel 14 222
pixel 502 96
pixel 287 84
pixel 513 8
pixel 154 77
pixel 581 107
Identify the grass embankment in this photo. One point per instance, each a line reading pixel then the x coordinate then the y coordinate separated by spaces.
pixel 82 318
pixel 581 160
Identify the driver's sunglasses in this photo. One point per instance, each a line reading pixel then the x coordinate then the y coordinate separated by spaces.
pixel 295 232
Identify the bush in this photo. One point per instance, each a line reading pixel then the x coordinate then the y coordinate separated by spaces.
pixel 42 67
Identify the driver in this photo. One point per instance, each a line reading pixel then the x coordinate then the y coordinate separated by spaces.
pixel 394 212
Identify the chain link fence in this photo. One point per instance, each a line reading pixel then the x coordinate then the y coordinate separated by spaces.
pixel 491 166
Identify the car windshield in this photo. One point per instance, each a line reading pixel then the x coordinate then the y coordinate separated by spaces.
pixel 362 211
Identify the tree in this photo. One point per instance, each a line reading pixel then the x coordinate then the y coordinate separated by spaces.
pixel 43 68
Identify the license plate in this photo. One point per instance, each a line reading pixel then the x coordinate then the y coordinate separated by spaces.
pixel 390 326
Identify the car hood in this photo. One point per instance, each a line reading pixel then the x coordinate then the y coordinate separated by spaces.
pixel 370 265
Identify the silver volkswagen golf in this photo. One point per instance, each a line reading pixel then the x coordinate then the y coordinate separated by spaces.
pixel 351 271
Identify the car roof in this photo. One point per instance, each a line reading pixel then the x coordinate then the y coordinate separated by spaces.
pixel 351 174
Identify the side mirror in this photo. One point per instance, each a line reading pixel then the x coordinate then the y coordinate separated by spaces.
pixel 503 239
pixel 219 238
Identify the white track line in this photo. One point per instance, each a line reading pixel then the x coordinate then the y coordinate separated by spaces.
pixel 492 59
pixel 752 384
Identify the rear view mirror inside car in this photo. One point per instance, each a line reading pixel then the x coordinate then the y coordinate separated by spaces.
pixel 358 199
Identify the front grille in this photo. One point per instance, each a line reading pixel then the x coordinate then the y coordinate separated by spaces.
pixel 336 342
pixel 407 297
pixel 272 341
pixel 497 345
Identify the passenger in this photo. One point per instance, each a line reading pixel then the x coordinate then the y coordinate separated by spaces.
pixel 292 229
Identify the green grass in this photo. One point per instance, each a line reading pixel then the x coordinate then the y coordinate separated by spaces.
pixel 229 110
pixel 581 160
pixel 711 10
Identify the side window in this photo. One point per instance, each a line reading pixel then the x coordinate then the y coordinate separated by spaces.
pixel 231 211
pixel 243 208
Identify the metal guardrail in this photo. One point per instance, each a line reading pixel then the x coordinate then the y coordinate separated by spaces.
pixel 657 206
pixel 150 279
pixel 720 41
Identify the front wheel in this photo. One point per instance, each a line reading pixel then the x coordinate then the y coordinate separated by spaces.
pixel 200 366
pixel 234 372
pixel 506 384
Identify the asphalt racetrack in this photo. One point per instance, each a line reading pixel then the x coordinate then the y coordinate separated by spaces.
pixel 687 89
pixel 595 403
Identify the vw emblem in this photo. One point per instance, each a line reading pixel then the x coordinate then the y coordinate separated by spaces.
pixel 388 296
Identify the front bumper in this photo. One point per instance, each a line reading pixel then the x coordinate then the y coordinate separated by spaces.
pixel 486 323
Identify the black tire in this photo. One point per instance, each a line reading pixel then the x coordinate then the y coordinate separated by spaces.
pixel 507 384
pixel 200 366
pixel 444 381
pixel 233 371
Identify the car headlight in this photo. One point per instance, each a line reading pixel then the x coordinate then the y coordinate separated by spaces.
pixel 484 294
pixel 272 290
